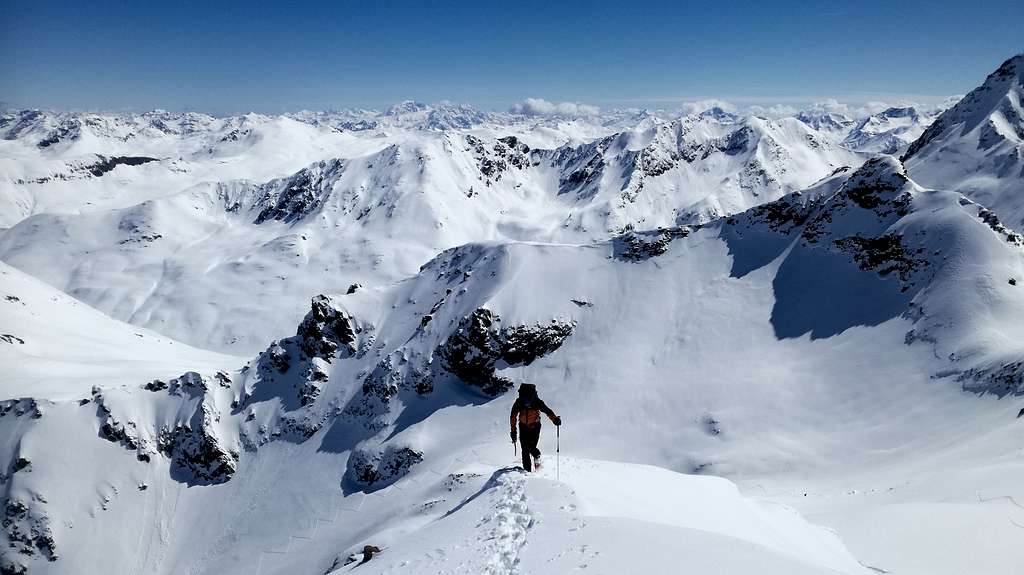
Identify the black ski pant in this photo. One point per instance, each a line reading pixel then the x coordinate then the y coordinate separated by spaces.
pixel 528 438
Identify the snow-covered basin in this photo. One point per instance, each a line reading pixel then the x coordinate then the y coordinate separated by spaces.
pixel 608 517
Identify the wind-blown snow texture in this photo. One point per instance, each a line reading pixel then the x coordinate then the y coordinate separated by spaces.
pixel 777 303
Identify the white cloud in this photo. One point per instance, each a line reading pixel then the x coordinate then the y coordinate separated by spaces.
pixel 858 109
pixel 829 106
pixel 542 107
pixel 949 102
pixel 875 107
pixel 773 111
pixel 698 106
pixel 852 106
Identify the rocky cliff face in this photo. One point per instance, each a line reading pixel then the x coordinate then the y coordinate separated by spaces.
pixel 294 198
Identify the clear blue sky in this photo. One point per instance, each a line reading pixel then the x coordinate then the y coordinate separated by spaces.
pixel 228 57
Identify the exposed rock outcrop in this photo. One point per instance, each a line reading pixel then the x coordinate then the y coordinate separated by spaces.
pixel 190 440
pixel 295 197
pixel 26 528
pixel 195 450
pixel 992 220
pixel 496 159
pixel 301 362
pixel 68 130
pixel 782 216
pixel 884 255
pixel 374 470
pixel 480 345
pixel 878 190
pixel 20 407
pixel 106 164
pixel 1002 380
pixel 640 246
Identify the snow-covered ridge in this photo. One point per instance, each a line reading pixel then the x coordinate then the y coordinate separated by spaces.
pixel 998 94
pixel 597 518
pixel 69 162
pixel 977 146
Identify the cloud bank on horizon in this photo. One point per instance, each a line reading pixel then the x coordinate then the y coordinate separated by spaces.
pixel 540 107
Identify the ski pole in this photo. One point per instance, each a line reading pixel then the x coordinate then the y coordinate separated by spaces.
pixel 558 451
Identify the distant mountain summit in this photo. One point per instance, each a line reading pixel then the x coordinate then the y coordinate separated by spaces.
pixel 825 121
pixel 977 146
pixel 889 131
pixel 718 114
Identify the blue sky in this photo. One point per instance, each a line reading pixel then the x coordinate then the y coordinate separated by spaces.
pixel 230 57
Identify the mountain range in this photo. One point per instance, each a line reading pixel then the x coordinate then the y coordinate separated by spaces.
pixel 261 344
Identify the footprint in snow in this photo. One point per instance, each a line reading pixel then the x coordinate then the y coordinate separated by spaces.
pixel 511 522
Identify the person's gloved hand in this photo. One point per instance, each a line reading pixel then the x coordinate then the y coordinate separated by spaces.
pixel 513 434
pixel 558 420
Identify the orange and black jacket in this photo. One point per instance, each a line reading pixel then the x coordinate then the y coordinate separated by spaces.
pixel 528 412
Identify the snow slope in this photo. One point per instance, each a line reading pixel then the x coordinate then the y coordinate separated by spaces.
pixel 174 264
pixel 82 166
pixel 55 347
pixel 603 517
pixel 713 349
pixel 977 146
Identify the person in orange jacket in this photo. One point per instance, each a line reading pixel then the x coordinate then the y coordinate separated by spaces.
pixel 527 409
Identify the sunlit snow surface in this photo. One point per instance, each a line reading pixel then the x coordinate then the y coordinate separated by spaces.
pixel 822 382
pixel 283 209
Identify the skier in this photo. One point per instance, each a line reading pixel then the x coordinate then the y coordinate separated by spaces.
pixel 527 409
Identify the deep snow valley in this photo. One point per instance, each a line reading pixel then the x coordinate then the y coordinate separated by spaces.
pixel 260 344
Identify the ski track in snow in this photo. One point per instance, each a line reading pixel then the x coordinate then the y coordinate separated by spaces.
pixel 510 523
pixel 1008 498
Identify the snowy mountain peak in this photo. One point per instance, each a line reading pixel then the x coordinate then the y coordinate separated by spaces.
pixel 900 112
pixel 1012 67
pixel 888 131
pixel 718 114
pixel 825 121
pixel 406 107
pixel 996 102
pixel 977 146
